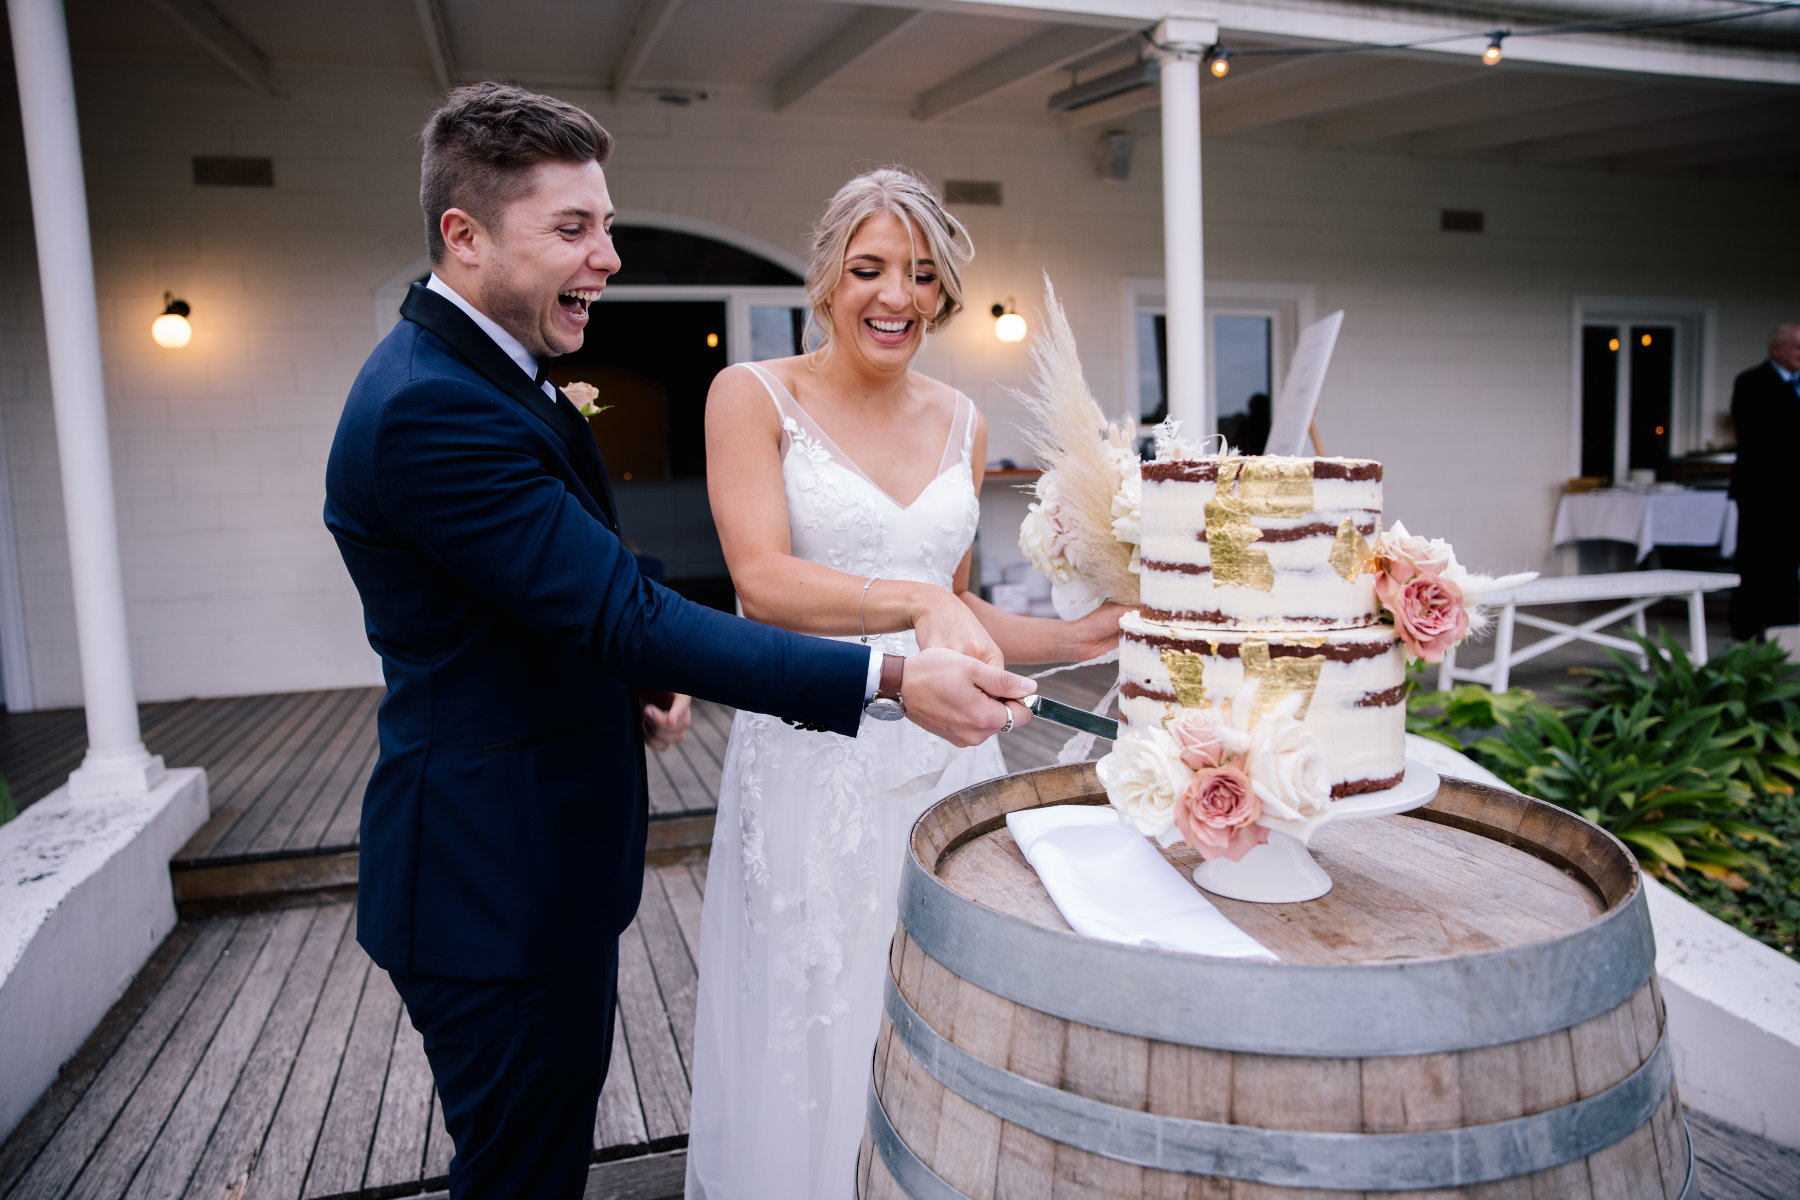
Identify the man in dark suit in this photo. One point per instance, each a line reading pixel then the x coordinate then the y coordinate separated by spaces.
pixel 503 827
pixel 1765 408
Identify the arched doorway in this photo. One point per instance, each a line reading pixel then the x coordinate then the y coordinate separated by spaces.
pixel 690 299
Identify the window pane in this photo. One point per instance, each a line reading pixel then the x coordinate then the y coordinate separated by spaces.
pixel 775 331
pixel 1599 398
pixel 1241 373
pixel 1652 394
pixel 1153 366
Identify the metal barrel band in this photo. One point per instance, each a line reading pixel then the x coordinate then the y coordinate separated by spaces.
pixel 914 1178
pixel 1290 1158
pixel 1427 1006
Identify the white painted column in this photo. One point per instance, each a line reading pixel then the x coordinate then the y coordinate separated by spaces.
pixel 1182 42
pixel 117 762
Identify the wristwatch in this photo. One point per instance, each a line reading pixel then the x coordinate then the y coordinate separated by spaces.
pixel 887 704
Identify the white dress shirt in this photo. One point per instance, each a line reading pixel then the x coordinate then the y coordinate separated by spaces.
pixel 528 363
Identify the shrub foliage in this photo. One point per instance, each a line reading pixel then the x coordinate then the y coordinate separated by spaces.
pixel 1691 765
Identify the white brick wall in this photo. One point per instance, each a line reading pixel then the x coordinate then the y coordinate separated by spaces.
pixel 1453 366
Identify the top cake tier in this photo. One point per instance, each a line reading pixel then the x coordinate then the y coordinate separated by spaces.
pixel 1260 542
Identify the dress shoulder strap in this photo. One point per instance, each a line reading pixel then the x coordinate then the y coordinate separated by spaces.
pixel 960 445
pixel 787 409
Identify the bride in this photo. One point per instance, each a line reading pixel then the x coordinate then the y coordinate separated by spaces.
pixel 844 489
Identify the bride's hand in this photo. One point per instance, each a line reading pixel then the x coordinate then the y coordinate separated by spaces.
pixel 1097 633
pixel 945 621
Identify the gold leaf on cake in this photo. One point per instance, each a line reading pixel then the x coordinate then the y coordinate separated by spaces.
pixel 1234 560
pixel 1350 550
pixel 1186 672
pixel 1273 487
pixel 1278 678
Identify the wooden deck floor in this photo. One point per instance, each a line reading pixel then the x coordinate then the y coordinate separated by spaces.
pixel 264 1055
pixel 286 772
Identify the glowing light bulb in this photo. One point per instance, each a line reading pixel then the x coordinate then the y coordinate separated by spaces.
pixel 1659 430
pixel 1009 327
pixel 1491 55
pixel 1221 67
pixel 171 330
pixel 1613 345
pixel 1645 339
pixel 712 341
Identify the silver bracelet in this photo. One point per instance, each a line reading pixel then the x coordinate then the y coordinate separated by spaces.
pixel 860 619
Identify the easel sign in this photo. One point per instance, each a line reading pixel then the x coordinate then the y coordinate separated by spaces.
pixel 1299 398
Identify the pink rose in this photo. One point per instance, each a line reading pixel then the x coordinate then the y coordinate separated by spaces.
pixel 1217 814
pixel 1196 731
pixel 1428 611
pixel 1402 555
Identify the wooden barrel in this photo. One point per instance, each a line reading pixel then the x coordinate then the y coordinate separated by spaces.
pixel 1471 1011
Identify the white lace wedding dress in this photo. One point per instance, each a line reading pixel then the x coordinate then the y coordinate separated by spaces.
pixel 806 855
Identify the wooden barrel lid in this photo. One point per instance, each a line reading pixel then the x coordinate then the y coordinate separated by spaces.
pixel 1484 918
pixel 1402 888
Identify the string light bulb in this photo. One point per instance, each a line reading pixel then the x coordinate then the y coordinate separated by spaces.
pixel 1009 326
pixel 1220 60
pixel 171 330
pixel 1491 55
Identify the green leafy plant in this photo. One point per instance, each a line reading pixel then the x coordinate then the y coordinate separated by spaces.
pixel 1693 766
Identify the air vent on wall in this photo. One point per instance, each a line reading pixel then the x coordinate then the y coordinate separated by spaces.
pixel 972 191
pixel 223 170
pixel 1462 220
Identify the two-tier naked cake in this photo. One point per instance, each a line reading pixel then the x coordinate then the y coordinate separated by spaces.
pixel 1255 570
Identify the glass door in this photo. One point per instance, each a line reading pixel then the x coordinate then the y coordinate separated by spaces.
pixel 1630 377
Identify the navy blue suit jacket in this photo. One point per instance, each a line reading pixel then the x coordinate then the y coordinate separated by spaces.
pixel 503 828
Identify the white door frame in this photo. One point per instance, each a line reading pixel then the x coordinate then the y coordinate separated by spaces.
pixel 1289 305
pixel 738 302
pixel 1695 404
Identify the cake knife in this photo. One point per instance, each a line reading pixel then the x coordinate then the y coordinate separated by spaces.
pixel 1059 713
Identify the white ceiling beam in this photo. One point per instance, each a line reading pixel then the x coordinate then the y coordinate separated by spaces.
pixel 867 30
pixel 647 29
pixel 224 41
pixel 1482 98
pixel 1397 24
pixel 1629 108
pixel 1377 80
pixel 1704 154
pixel 1767 121
pixel 1240 85
pixel 1047 51
pixel 437 43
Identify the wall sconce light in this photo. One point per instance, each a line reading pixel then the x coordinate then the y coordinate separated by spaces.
pixel 1009 326
pixel 171 331
pixel 1219 61
pixel 1491 55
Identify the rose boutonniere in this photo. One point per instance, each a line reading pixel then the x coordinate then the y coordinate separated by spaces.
pixel 583 397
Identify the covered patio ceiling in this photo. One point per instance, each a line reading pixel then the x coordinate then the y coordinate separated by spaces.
pixel 1713 96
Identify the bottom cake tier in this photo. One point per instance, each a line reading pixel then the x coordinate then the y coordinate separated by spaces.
pixel 1352 683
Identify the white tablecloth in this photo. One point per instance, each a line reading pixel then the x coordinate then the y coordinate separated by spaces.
pixel 1649 519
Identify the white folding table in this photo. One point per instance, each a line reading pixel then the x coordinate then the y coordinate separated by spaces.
pixel 1640 589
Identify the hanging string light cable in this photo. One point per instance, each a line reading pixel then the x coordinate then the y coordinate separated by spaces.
pixel 1220 55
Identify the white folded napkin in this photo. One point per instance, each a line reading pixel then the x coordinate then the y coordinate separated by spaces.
pixel 1109 882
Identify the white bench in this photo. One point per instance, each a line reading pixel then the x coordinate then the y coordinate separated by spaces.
pixel 1640 589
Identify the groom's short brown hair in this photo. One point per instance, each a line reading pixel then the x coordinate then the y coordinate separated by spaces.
pixel 481 145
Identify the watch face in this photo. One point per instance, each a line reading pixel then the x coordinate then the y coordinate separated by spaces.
pixel 884 709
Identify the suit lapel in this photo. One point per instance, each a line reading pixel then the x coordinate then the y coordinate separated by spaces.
pixel 432 312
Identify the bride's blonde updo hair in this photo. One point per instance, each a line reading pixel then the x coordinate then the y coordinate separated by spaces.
pixel 909 197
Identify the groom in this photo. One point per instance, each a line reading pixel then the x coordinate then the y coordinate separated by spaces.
pixel 503 828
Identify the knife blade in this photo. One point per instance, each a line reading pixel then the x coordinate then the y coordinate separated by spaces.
pixel 1059 713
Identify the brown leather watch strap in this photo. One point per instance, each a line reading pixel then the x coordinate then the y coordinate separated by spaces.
pixel 892 667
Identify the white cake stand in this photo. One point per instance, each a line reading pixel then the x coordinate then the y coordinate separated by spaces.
pixel 1282 871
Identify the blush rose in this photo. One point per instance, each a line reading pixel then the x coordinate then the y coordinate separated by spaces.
pixel 1429 613
pixel 1218 812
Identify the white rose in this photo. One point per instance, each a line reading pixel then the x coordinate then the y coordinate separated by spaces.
pixel 1288 772
pixel 1128 508
pixel 1144 778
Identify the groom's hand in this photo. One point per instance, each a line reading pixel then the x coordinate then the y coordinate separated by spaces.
pixel 960 698
pixel 664 728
